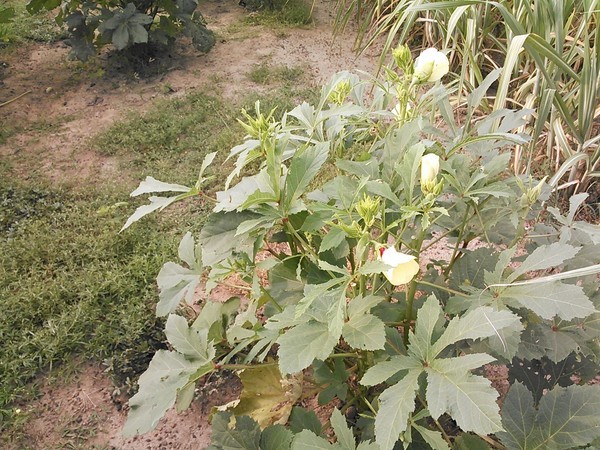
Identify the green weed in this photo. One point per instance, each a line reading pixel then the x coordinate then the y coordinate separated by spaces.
pixel 172 138
pixel 291 13
pixel 264 73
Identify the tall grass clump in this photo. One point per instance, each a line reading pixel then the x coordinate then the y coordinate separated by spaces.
pixel 549 53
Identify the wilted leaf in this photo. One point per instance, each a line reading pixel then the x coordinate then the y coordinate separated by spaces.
pixel 267 397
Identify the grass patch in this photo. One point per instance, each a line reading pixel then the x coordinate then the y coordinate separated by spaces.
pixel 291 13
pixel 172 138
pixel 70 284
pixel 265 73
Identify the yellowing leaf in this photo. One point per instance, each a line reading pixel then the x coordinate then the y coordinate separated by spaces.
pixel 268 397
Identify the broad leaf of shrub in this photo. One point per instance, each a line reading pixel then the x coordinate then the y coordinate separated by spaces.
pixel 542 375
pixel 218 237
pixel 304 419
pixel 276 437
pixel 299 346
pixel 333 382
pixel 168 372
pixel 244 434
pixel 550 299
pixel 267 397
pixel 567 418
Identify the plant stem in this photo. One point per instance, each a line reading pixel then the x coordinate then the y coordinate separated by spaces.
pixel 243 366
pixel 8 102
pixel 412 289
pixel 410 298
pixel 346 355
pixel 443 288
pixel 458 241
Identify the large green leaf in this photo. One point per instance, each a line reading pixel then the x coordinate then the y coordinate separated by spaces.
pixel 566 418
pixel 303 168
pixel 480 323
pixel 384 370
pixel 364 332
pixel 243 433
pixel 541 375
pixel 168 372
pixel 276 437
pixel 451 387
pixel 218 236
pixel 343 434
pixel 333 382
pixel 469 269
pixel 307 440
pixel 191 342
pixel 299 346
pixel 156 203
pixel 175 283
pixel 545 257
pixel 550 299
pixel 151 184
pixel 396 404
pixel 469 399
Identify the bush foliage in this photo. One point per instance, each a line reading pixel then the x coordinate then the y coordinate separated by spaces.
pixel 326 241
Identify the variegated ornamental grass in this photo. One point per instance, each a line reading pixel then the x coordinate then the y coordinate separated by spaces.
pixel 343 197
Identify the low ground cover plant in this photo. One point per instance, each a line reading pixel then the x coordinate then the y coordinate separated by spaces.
pixel 323 232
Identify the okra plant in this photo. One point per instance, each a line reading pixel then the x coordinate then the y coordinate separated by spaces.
pixel 387 258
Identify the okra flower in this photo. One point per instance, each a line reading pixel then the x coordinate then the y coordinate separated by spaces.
pixel 430 66
pixel 404 267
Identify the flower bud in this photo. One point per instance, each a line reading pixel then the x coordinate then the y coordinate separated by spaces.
pixel 367 209
pixel 404 267
pixel 402 57
pixel 430 166
pixel 430 66
pixel 340 92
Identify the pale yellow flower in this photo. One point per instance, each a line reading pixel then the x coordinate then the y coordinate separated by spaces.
pixel 430 167
pixel 430 66
pixel 404 267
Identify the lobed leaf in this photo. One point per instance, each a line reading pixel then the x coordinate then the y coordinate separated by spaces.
pixel 567 418
pixel 167 373
pixel 396 404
